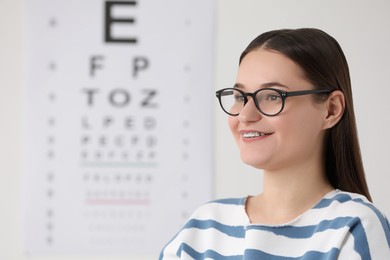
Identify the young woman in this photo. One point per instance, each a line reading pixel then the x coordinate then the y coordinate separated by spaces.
pixel 291 114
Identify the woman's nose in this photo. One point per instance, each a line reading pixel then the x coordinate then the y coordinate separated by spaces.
pixel 249 112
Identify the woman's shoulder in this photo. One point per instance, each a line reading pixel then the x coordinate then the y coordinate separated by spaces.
pixel 344 204
pixel 349 200
pixel 215 222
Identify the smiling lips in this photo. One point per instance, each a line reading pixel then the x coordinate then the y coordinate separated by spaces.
pixel 253 135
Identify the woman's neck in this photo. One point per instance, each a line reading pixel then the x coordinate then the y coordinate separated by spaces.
pixel 287 194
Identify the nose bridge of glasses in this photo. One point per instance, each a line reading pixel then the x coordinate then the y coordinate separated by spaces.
pixel 253 102
pixel 248 94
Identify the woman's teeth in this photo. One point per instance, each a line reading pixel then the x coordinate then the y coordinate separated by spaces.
pixel 253 134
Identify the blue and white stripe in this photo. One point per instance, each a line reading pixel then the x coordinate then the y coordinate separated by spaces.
pixel 341 226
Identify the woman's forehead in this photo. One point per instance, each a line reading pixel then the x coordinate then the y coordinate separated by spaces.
pixel 261 67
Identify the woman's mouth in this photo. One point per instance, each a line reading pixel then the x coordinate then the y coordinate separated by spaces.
pixel 253 135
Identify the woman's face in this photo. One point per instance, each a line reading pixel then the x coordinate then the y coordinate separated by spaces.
pixel 292 138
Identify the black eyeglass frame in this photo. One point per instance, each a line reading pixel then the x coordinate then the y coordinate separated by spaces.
pixel 283 94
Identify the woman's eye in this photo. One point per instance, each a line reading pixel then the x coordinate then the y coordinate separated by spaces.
pixel 238 98
pixel 272 97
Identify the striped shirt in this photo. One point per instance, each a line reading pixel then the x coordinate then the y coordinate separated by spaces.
pixel 341 226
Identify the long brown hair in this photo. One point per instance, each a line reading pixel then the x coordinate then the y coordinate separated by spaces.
pixel 325 66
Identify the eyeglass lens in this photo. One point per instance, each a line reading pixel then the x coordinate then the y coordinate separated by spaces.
pixel 269 101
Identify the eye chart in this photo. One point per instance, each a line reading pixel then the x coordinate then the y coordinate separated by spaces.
pixel 118 123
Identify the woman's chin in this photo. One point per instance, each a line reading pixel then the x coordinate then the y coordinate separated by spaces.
pixel 254 161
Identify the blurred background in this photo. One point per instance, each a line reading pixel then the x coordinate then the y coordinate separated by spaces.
pixel 361 27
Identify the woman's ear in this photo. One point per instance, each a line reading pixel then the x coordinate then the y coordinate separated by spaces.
pixel 335 105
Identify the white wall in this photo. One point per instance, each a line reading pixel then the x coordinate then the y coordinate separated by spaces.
pixel 361 27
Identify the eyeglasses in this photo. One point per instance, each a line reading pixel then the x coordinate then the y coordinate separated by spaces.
pixel 268 101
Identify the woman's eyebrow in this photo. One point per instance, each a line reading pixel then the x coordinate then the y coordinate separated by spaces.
pixel 264 85
pixel 273 84
pixel 238 85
